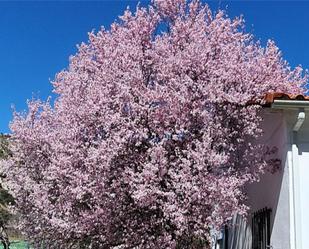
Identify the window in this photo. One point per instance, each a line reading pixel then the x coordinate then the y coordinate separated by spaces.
pixel 239 234
pixel 261 229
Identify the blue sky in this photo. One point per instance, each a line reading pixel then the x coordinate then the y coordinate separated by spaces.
pixel 37 38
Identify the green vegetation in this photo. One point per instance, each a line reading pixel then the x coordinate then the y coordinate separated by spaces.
pixel 18 245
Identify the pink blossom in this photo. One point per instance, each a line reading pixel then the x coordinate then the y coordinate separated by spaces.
pixel 148 140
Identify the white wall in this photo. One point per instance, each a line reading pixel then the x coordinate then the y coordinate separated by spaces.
pixel 273 189
pixel 301 182
pixel 286 192
pixel 304 195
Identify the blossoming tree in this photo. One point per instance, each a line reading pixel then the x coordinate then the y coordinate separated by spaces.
pixel 5 198
pixel 149 142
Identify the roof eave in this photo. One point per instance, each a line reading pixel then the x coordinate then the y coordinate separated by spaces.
pixel 290 104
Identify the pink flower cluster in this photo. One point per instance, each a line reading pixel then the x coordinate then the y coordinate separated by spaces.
pixel 149 142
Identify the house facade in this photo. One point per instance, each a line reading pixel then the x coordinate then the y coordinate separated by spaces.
pixel 279 202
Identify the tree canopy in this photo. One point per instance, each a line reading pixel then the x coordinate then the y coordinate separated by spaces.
pixel 150 140
pixel 5 197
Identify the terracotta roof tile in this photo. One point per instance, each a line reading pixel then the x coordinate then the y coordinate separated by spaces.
pixel 270 97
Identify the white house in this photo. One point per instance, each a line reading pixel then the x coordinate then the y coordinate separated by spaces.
pixel 279 214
